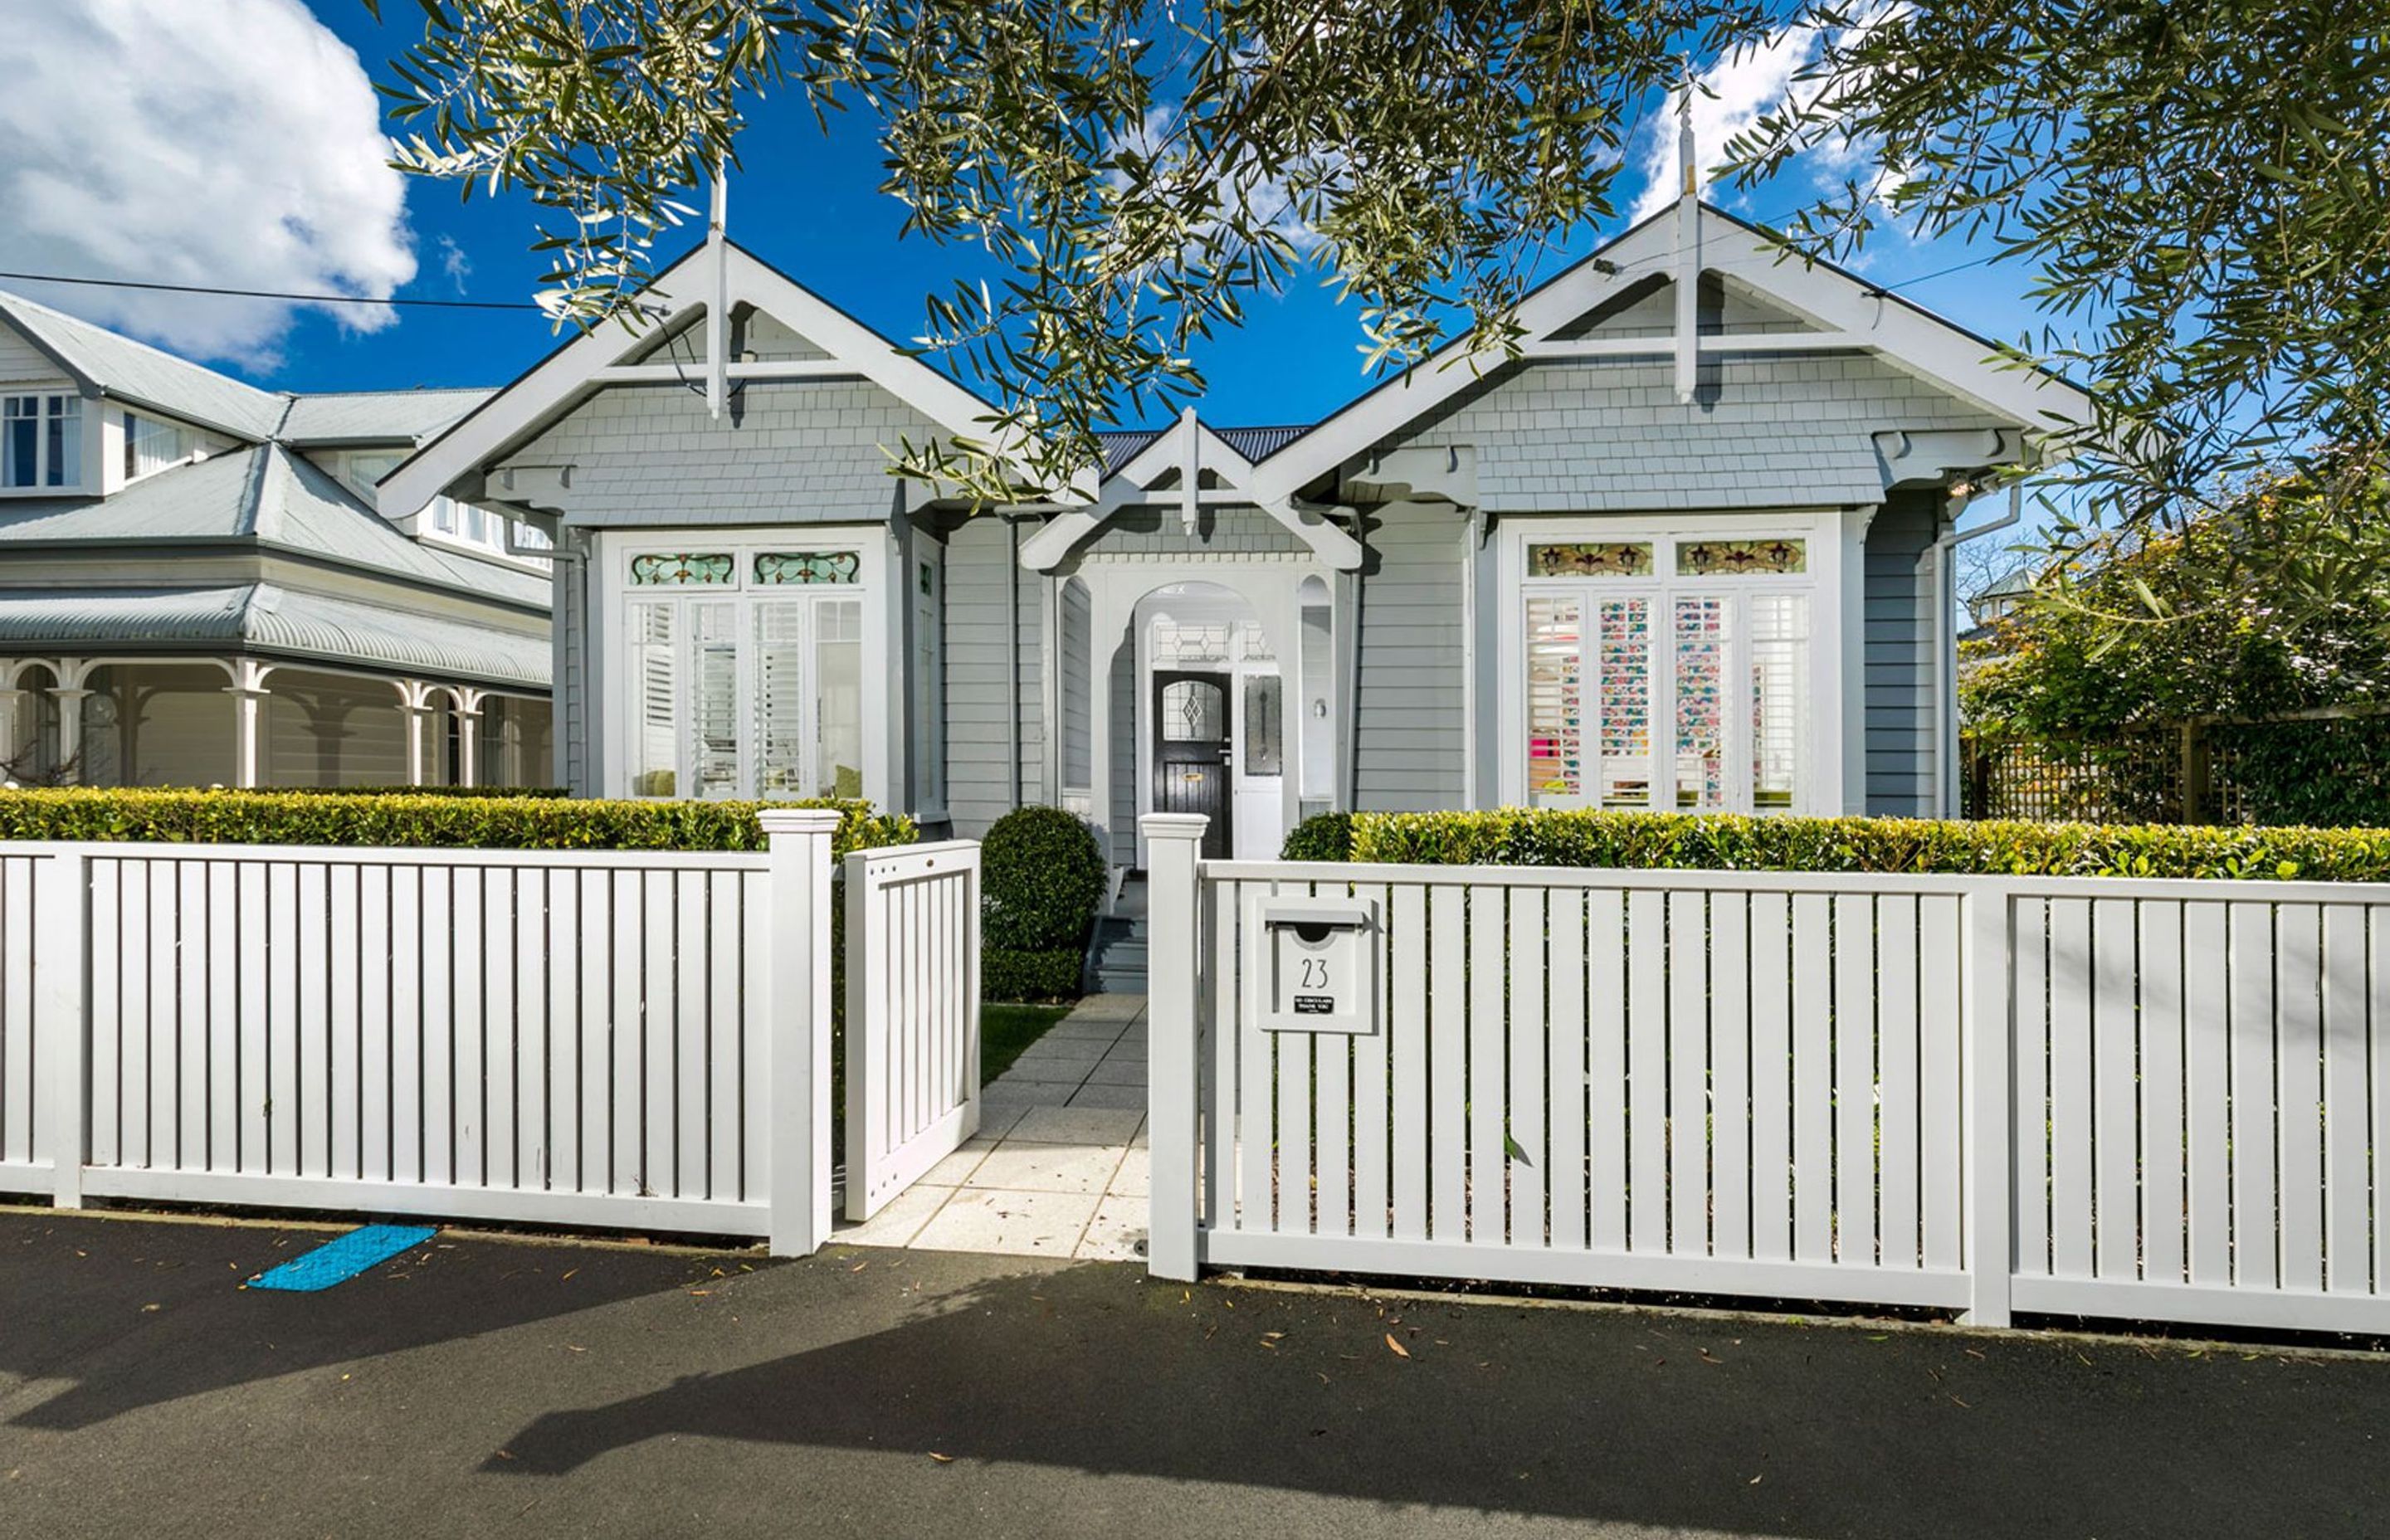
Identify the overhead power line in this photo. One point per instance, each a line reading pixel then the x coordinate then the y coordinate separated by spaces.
pixel 271 294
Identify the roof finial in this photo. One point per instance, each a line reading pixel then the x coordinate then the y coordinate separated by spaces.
pixel 1687 174
pixel 717 310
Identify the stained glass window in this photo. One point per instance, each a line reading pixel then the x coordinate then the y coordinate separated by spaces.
pixel 774 568
pixel 1625 706
pixel 1701 707
pixel 1265 731
pixel 1596 558
pixel 1741 558
pixel 1191 711
pixel 681 570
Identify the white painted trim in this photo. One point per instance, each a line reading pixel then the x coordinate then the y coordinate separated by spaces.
pixel 568 376
pixel 1820 783
pixel 608 671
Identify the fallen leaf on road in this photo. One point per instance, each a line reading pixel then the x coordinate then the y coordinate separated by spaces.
pixel 1400 1351
pixel 1757 1479
pixel 506 1453
pixel 942 1459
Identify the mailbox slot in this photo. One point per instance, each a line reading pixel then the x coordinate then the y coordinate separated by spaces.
pixel 1316 964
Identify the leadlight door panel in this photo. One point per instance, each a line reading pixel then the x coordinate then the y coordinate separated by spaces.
pixel 1191 751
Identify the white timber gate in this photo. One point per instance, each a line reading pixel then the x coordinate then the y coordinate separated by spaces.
pixel 586 1037
pixel 2154 1100
pixel 912 1015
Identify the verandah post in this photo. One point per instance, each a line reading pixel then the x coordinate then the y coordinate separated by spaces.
pixel 798 1025
pixel 1173 841
pixel 61 1031
pixel 1987 1034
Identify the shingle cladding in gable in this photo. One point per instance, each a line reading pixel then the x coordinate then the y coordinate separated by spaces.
pixel 1609 434
pixel 798 452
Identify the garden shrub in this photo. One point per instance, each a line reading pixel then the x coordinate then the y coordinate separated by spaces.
pixel 1725 842
pixel 1041 879
pixel 429 820
pixel 1321 837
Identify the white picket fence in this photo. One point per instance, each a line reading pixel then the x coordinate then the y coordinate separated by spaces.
pixel 2142 1099
pixel 912 991
pixel 585 1037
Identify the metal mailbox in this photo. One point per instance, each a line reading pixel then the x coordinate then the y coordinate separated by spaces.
pixel 1319 970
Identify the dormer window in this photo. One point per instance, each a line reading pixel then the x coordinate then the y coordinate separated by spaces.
pixel 151 446
pixel 40 441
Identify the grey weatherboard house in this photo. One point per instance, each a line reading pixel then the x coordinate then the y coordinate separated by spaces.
pixel 1683 553
pixel 195 587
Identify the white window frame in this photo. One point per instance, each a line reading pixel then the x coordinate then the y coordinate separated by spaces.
pixel 89 434
pixel 1818 776
pixel 611 623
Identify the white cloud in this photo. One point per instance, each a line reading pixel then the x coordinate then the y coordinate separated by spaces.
pixel 235 143
pixel 1737 92
pixel 454 263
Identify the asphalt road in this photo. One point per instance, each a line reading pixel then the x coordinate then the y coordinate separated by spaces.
pixel 489 1386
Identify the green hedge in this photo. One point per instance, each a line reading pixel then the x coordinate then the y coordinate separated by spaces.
pixel 433 820
pixel 397 791
pixel 1715 842
pixel 1028 976
pixel 1321 837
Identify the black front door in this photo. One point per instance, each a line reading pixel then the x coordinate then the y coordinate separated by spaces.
pixel 1191 752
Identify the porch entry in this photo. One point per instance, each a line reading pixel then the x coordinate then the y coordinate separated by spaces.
pixel 1194 752
pixel 1211 734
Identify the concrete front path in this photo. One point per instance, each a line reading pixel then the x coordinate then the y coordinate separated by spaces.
pixel 1059 1168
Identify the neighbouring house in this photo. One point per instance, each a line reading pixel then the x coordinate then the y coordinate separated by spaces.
pixel 1681 553
pixel 196 589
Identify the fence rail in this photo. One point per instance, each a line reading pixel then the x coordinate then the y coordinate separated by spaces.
pixel 569 1037
pixel 2143 1099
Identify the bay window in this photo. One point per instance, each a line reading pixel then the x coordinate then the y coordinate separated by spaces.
pixel 743 672
pixel 40 441
pixel 1668 672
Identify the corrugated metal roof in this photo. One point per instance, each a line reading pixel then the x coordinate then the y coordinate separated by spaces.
pixel 1122 447
pixel 136 372
pixel 264 617
pixel 271 495
pixel 375 416
pixel 1259 444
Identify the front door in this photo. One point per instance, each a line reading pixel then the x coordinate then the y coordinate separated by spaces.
pixel 1192 753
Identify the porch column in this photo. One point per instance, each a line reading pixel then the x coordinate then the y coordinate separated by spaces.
pixel 1108 630
pixel 469 735
pixel 248 692
pixel 415 704
pixel 70 699
pixel 8 698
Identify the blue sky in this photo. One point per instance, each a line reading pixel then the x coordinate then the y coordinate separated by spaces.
pixel 806 202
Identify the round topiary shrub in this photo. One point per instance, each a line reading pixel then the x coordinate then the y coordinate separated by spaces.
pixel 1321 837
pixel 1041 879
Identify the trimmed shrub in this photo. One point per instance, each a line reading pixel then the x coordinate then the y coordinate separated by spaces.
pixel 1321 837
pixel 396 791
pixel 429 820
pixel 1030 976
pixel 1724 842
pixel 1042 878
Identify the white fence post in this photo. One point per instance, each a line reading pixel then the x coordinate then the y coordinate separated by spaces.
pixel 1173 841
pixel 799 1014
pixel 1989 1032
pixel 61 1034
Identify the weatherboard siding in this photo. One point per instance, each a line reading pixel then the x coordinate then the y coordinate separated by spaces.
pixel 21 363
pixel 1409 741
pixel 1898 660
pixel 1072 606
pixel 983 782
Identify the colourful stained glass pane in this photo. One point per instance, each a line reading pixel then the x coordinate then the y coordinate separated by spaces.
pixel 1741 558
pixel 681 570
pixel 1701 707
pixel 1626 720
pixel 774 568
pixel 1596 558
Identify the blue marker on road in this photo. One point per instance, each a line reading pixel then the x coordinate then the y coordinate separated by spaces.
pixel 338 1261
